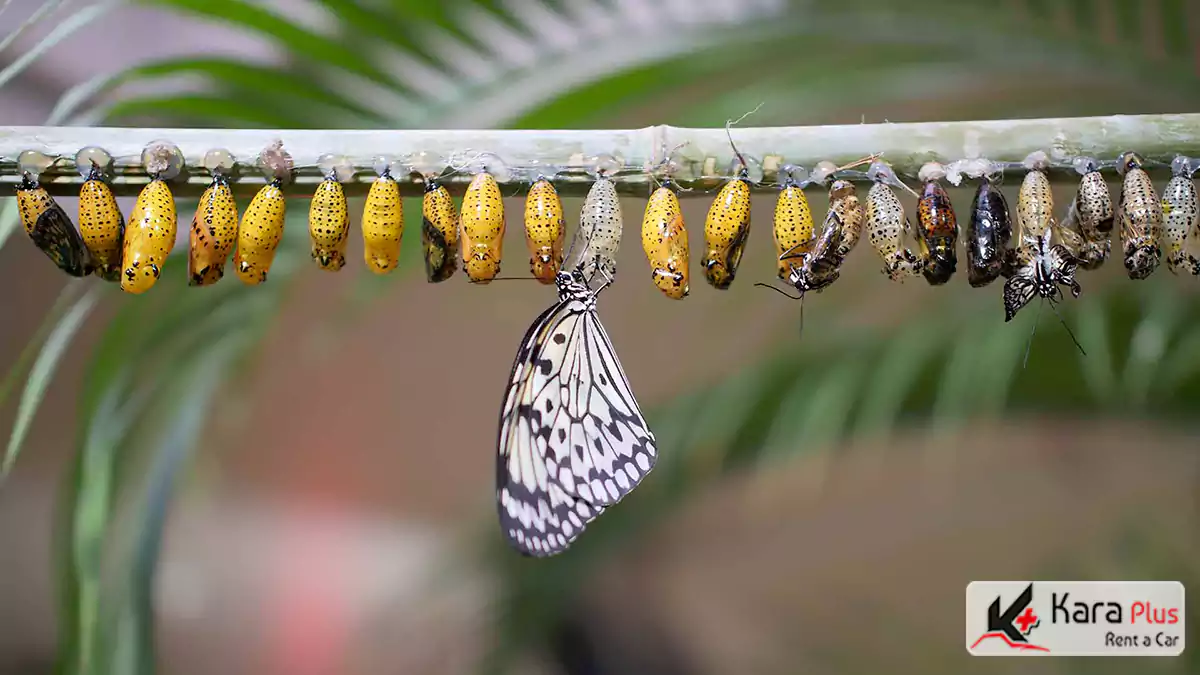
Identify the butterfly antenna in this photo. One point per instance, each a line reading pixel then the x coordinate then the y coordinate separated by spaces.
pixel 1069 331
pixel 729 133
pixel 1029 343
pixel 783 293
pixel 801 333
pixel 741 160
pixel 859 162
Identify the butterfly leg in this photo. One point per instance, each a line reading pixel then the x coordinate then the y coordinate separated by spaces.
pixel 794 253
pixel 608 279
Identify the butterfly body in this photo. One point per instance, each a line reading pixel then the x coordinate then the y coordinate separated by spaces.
pixel 572 439
pixel 439 232
pixel 821 264
pixel 1042 267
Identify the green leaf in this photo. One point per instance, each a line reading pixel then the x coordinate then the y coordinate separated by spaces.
pixel 394 28
pixel 1098 369
pixel 107 631
pixel 1174 23
pixel 1148 344
pixel 211 110
pixel 42 372
pixel 302 43
pixel 65 299
pixel 77 19
pixel 896 372
pixel 38 15
pixel 127 613
pixel 288 88
pixel 954 394
pixel 84 530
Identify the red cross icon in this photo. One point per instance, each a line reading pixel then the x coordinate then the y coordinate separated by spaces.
pixel 1026 620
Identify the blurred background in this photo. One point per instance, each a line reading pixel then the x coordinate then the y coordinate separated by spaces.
pixel 297 479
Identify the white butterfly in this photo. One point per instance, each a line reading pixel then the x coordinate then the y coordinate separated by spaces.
pixel 572 438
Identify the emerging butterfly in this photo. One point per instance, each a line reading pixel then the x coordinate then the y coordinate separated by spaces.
pixel 573 441
pixel 1041 268
pixel 1046 267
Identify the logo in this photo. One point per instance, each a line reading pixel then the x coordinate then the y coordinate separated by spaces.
pixel 1015 624
pixel 1075 618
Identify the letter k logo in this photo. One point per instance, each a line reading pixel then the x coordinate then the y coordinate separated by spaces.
pixel 1006 622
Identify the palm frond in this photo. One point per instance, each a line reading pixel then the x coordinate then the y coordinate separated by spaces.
pixel 57 341
pixel 79 18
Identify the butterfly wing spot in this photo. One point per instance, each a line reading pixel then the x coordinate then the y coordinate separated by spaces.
pixel 643 462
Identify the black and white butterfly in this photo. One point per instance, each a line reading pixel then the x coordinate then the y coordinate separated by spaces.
pixel 1039 269
pixel 573 441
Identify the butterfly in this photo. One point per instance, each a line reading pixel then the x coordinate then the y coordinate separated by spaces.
pixel 1043 269
pixel 820 262
pixel 1040 269
pixel 572 439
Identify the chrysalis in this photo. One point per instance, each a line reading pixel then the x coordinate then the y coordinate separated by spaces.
pixel 150 235
pixel 261 228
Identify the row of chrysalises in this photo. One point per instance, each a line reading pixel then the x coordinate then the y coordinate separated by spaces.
pixel 1036 254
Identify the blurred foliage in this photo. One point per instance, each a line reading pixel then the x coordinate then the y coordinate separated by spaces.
pixel 463 63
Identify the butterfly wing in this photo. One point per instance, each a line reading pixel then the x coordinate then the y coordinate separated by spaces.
pixel 1062 266
pixel 1019 289
pixel 825 260
pixel 572 438
pixel 610 445
pixel 56 236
